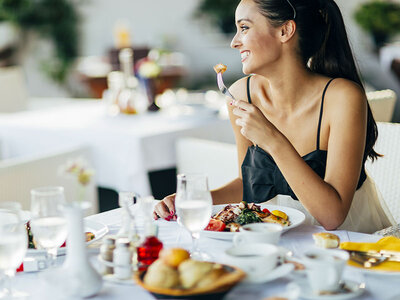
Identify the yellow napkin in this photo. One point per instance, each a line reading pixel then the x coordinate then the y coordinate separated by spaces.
pixel 387 243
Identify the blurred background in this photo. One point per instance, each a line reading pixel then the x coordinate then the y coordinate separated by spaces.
pixel 53 51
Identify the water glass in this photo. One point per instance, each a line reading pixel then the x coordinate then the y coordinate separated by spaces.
pixel 193 204
pixel 48 223
pixel 13 246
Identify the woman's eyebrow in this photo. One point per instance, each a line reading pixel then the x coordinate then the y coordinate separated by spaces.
pixel 244 19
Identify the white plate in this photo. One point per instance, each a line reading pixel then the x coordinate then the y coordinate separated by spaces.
pixel 376 272
pixel 296 217
pixel 98 229
pixel 356 289
pixel 276 273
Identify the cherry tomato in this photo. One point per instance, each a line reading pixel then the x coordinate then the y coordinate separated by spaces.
pixel 215 225
pixel 266 210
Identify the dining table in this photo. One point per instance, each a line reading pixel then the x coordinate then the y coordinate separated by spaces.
pixel 124 148
pixel 296 240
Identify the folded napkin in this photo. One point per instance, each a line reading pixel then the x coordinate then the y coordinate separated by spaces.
pixel 387 243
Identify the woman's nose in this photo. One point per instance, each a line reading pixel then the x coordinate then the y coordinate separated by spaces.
pixel 235 42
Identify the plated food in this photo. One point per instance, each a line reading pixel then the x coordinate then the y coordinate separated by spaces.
pixel 295 218
pixel 175 274
pixel 233 216
pixel 326 240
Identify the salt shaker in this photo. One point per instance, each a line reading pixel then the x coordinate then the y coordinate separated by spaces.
pixel 106 252
pixel 122 259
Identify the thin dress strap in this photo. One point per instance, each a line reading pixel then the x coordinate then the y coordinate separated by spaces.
pixel 248 89
pixel 320 113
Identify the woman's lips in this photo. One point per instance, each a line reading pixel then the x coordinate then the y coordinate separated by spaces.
pixel 244 55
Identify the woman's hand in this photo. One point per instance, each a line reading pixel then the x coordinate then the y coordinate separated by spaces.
pixel 254 125
pixel 165 208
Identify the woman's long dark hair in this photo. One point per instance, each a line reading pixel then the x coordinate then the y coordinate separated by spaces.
pixel 323 44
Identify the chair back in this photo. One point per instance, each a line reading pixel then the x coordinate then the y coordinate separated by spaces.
pixel 382 104
pixel 386 170
pixel 13 94
pixel 19 175
pixel 215 159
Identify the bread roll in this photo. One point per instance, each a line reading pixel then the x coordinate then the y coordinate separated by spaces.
pixel 192 271
pixel 174 256
pixel 212 276
pixel 161 275
pixel 326 240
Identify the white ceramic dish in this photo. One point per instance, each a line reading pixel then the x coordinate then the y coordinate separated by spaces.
pixel 276 273
pixel 296 218
pixel 98 229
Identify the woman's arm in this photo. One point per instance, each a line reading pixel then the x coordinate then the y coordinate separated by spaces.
pixel 328 199
pixel 232 192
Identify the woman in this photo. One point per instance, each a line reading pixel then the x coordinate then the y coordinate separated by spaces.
pixel 302 123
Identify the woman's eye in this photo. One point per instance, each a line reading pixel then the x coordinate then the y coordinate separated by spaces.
pixel 243 28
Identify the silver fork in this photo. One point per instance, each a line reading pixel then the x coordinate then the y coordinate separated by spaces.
pixel 224 90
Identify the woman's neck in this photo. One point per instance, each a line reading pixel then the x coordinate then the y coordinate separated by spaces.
pixel 290 87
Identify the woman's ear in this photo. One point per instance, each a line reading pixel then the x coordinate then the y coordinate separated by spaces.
pixel 287 31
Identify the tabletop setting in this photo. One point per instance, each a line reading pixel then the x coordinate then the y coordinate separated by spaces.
pixel 203 251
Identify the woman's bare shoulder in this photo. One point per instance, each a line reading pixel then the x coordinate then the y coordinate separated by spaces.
pixel 239 89
pixel 344 95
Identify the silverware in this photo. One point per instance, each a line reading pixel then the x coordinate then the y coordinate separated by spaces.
pixel 390 255
pixel 367 261
pixel 224 90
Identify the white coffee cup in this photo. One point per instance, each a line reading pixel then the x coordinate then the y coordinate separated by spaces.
pixel 256 259
pixel 324 268
pixel 258 233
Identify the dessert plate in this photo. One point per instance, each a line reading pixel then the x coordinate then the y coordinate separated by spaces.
pixel 296 218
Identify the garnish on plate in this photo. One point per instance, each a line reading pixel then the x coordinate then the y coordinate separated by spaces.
pixel 234 216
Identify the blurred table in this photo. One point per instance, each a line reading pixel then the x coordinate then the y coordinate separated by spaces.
pixel 298 240
pixel 124 148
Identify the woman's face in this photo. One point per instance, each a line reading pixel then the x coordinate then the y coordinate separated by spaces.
pixel 256 39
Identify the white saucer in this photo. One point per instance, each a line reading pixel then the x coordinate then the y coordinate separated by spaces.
pixel 276 273
pixel 356 289
pixel 113 279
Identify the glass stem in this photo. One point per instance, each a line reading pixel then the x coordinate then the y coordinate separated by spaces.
pixel 51 257
pixel 195 242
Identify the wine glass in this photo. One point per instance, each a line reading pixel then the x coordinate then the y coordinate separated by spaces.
pixel 48 224
pixel 13 246
pixel 193 204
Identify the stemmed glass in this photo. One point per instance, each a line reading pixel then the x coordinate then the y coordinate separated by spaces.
pixel 13 245
pixel 48 224
pixel 193 204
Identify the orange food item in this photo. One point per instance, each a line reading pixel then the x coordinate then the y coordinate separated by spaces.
pixel 220 68
pixel 174 256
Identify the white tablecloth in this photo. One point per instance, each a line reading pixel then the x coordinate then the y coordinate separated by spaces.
pixel 125 148
pixel 297 240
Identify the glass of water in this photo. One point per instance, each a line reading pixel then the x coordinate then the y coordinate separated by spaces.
pixel 13 246
pixel 48 223
pixel 193 204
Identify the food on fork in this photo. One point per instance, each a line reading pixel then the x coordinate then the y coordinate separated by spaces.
pixel 231 217
pixel 326 240
pixel 220 68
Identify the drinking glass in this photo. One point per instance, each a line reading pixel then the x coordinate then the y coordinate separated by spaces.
pixel 193 206
pixel 126 201
pixel 13 246
pixel 48 224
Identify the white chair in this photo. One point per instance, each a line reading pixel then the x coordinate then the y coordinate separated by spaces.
pixel 217 160
pixel 386 170
pixel 382 104
pixel 19 175
pixel 13 93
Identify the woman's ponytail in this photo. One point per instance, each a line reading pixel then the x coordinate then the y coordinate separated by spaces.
pixel 335 59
